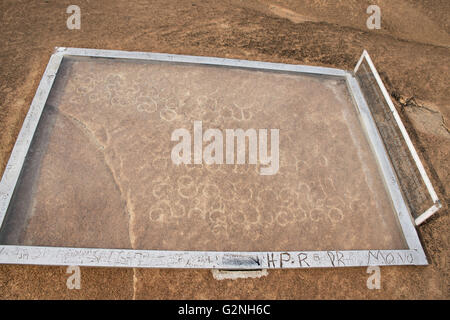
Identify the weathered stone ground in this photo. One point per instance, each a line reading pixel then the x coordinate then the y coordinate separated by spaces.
pixel 411 52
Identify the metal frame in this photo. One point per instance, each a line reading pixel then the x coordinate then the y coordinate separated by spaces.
pixel 12 254
pixel 436 203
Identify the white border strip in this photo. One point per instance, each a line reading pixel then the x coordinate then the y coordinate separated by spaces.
pixel 202 60
pixel 428 213
pixel 205 259
pixel 437 205
pixel 20 150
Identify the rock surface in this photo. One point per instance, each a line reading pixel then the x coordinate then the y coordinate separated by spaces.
pixel 411 55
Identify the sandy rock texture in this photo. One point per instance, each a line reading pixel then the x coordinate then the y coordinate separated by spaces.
pixel 410 51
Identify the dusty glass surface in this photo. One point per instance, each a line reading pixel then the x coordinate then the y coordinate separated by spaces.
pixel 412 185
pixel 99 171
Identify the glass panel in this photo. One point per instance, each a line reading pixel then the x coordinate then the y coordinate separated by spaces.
pixel 411 183
pixel 100 172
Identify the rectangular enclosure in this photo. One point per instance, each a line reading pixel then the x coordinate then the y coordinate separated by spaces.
pixel 93 178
